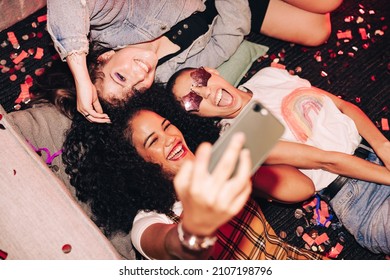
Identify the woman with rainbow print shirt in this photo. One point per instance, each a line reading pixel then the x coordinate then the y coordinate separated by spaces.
pixel 322 134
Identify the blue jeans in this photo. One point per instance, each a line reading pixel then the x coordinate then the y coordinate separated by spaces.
pixel 364 210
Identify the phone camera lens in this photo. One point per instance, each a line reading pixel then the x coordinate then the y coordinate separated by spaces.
pixel 256 108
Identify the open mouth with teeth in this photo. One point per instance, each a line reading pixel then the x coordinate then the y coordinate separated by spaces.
pixel 142 65
pixel 223 98
pixel 177 152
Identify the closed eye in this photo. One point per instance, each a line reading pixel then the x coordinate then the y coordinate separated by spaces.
pixel 120 77
pixel 166 126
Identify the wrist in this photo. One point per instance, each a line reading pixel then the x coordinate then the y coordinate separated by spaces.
pixel 194 242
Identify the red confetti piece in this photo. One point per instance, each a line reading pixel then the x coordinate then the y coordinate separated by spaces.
pixel 42 18
pixel 1 117
pixel 14 172
pixel 29 80
pixel 344 35
pixel 20 57
pixel 67 248
pixel 385 124
pixel 39 53
pixel 363 33
pixel 3 255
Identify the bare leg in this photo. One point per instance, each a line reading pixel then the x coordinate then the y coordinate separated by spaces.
pixel 290 23
pixel 317 6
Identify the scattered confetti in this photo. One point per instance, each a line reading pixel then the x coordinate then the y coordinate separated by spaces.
pixel 67 248
pixel 3 255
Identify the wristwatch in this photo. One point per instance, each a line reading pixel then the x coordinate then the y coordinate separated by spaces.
pixel 194 242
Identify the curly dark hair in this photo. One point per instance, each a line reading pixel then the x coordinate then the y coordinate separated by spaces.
pixel 107 171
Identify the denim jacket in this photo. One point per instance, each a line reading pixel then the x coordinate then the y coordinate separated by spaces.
pixel 73 24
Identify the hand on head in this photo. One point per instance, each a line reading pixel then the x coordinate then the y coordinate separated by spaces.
pixel 88 103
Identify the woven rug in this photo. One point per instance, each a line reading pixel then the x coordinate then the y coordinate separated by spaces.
pixel 353 64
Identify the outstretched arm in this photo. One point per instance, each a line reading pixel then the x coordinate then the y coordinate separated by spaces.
pixel 365 126
pixel 209 201
pixel 308 157
pixel 282 183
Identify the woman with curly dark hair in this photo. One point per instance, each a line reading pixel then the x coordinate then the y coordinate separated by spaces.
pixel 140 174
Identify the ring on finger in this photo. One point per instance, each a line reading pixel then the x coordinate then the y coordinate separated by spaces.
pixel 87 115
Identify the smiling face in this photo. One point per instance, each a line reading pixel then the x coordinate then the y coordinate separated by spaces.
pixel 159 141
pixel 125 71
pixel 214 97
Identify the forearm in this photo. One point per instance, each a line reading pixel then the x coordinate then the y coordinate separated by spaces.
pixel 161 241
pixel 357 168
pixel 282 183
pixel 308 157
pixel 77 63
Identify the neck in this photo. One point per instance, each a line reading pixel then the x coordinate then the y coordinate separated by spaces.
pixel 245 97
pixel 162 46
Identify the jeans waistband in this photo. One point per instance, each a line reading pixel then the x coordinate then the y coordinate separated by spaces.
pixel 333 188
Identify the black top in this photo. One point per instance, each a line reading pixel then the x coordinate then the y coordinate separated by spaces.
pixel 185 32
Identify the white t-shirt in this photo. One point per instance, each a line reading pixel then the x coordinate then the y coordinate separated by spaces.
pixel 144 219
pixel 308 117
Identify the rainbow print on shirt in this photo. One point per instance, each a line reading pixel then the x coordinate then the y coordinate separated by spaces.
pixel 300 108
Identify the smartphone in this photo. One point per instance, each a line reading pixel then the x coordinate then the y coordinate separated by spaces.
pixel 262 131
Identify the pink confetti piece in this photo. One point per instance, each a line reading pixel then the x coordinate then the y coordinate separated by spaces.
pixel 13 77
pixel 12 38
pixel 308 239
pixel 24 94
pixel 344 35
pixel 385 124
pixel 39 53
pixel 321 238
pixel 335 251
pixel 20 57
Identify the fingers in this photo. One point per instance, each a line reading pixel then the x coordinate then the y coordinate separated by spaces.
pixel 227 164
pixel 182 180
pixel 93 116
